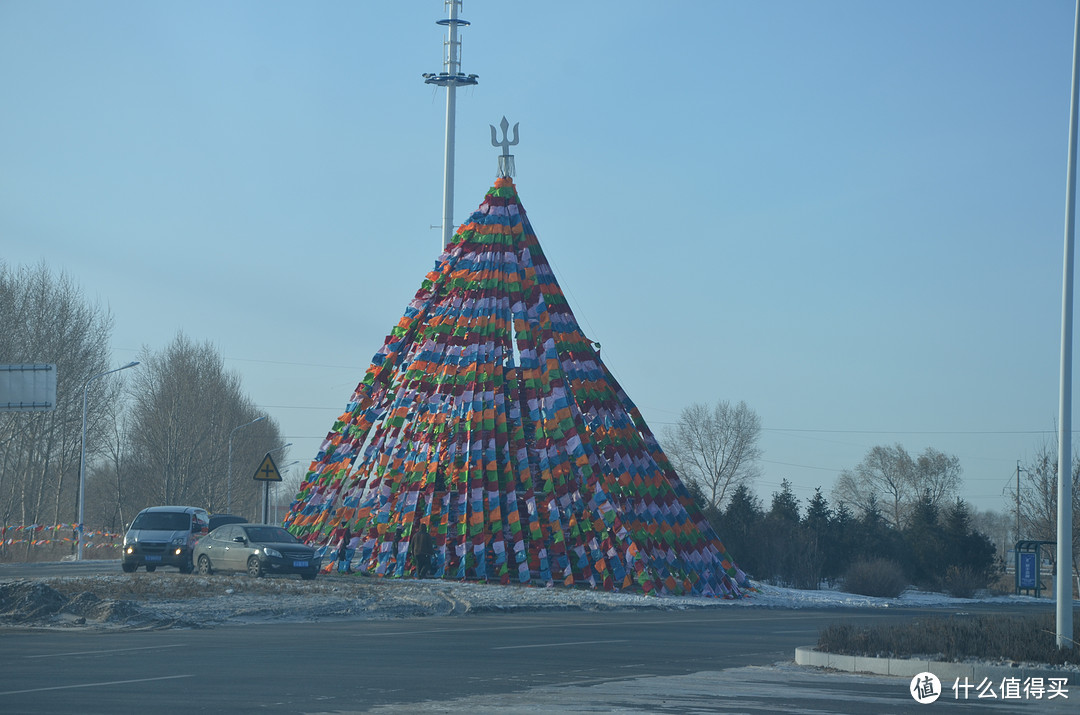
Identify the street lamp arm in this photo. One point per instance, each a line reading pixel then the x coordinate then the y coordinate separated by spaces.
pixel 228 496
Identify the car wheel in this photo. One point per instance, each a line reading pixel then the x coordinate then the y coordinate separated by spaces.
pixel 308 576
pixel 204 565
pixel 151 569
pixel 128 568
pixel 187 567
pixel 254 567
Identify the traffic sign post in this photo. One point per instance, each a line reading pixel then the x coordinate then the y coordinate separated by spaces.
pixel 266 473
pixel 1028 565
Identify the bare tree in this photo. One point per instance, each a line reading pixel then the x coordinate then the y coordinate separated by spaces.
pixel 889 474
pixel 998 526
pixel 717 448
pixel 45 319
pixel 111 484
pixel 1038 497
pixel 938 475
pixel 886 473
pixel 185 406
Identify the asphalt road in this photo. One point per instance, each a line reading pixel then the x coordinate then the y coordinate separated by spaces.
pixel 722 660
pixel 631 661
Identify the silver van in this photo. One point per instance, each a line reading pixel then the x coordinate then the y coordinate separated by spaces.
pixel 164 536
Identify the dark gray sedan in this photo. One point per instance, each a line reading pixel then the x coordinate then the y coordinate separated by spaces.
pixel 256 548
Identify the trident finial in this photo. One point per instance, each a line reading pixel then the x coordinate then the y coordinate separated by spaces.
pixel 506 160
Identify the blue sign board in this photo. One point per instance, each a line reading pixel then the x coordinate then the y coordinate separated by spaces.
pixel 1029 570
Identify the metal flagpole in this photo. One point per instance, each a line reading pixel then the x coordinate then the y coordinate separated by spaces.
pixel 451 78
pixel 1063 590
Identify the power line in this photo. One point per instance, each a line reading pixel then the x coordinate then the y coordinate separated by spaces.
pixel 802 466
pixel 271 362
pixel 920 432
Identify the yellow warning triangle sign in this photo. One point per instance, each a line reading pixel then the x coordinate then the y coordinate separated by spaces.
pixel 267 471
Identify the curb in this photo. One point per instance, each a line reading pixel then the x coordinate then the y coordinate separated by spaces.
pixel 910 667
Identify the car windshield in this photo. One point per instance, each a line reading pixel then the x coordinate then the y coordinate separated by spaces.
pixel 270 535
pixel 162 521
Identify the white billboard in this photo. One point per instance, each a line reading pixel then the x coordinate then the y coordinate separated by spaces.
pixel 27 388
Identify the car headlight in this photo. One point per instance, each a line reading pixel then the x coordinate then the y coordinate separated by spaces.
pixel 271 552
pixel 178 541
pixel 131 549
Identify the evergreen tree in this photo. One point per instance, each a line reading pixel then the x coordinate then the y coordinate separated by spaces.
pixel 709 510
pixel 784 550
pixel 925 544
pixel 873 537
pixel 784 504
pixel 817 534
pixel 741 525
pixel 966 548
pixel 844 531
pixel 818 514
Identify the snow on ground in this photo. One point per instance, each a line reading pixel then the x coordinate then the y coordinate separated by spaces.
pixel 175 600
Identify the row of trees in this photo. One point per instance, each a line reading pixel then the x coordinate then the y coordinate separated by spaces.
pixel 891 505
pixel 890 476
pixel 805 548
pixel 44 320
pixel 156 434
pixel 170 443
pixel 717 450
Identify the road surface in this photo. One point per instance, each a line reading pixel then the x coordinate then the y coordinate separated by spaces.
pixel 630 661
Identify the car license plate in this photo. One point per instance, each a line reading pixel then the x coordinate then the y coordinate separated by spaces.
pixel 299 564
pixel 153 558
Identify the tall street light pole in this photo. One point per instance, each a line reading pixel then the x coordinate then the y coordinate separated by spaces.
pixel 228 498
pixel 82 455
pixel 451 78
pixel 1063 587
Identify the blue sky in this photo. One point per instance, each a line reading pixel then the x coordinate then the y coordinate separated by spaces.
pixel 848 214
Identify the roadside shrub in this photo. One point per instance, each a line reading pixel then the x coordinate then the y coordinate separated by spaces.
pixel 1004 584
pixel 875 577
pixel 964 581
pixel 1022 639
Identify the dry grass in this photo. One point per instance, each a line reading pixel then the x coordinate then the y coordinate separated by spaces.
pixel 1003 585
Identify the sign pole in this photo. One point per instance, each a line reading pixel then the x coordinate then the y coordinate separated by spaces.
pixel 266 473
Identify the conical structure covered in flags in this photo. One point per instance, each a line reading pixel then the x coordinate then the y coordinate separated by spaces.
pixel 488 427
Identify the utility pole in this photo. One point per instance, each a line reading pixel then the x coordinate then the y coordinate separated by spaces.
pixel 1018 470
